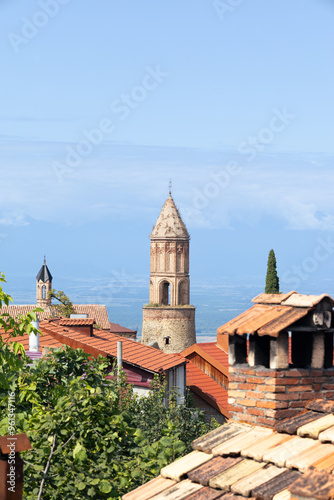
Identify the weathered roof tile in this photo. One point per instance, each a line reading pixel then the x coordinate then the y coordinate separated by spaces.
pixel 281 453
pixel 179 491
pixel 206 494
pixel 205 472
pixel 258 449
pixel 304 460
pixel 247 484
pixel 235 445
pixel 218 436
pixel 148 490
pixel 314 484
pixel 291 425
pixel 314 428
pixel 180 467
pixel 327 436
pixel 275 485
pixel 227 478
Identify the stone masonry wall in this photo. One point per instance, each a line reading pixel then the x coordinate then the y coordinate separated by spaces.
pixel 262 396
pixel 177 323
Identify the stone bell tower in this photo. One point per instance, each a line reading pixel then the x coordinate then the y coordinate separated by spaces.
pixel 43 286
pixel 169 319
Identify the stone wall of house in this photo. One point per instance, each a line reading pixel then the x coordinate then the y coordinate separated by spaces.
pixel 263 396
pixel 209 411
pixel 173 328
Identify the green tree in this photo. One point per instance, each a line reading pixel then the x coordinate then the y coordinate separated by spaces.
pixel 10 363
pixel 92 437
pixel 272 280
pixel 65 307
pixel 88 442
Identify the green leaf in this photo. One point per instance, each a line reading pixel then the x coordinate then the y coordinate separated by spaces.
pixel 79 452
pixel 105 486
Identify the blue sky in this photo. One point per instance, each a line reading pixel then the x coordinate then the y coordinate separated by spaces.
pixel 103 102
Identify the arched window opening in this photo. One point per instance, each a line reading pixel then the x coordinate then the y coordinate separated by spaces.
pixel 44 292
pixel 165 294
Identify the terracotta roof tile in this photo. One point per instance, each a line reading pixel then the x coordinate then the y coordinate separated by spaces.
pixel 179 491
pixel 246 485
pixel 258 450
pixel 218 436
pixel 235 445
pixel 313 429
pixel 180 467
pixel 116 328
pixel 291 425
pixel 77 321
pixel 262 473
pixel 321 405
pixel 206 494
pixel 275 485
pixel 272 314
pixel 96 311
pixel 134 353
pixel 228 478
pixel 211 352
pixel 280 454
pixel 327 436
pixel 211 468
pixel 148 490
pixel 314 484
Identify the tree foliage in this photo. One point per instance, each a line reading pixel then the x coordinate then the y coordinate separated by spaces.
pixel 272 280
pixel 92 437
pixel 65 307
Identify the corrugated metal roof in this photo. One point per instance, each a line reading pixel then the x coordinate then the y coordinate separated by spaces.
pixel 252 461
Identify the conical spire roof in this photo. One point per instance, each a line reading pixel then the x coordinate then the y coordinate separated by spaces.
pixel 169 223
pixel 44 274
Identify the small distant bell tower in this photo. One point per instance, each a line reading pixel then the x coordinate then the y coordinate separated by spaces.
pixel 169 319
pixel 43 286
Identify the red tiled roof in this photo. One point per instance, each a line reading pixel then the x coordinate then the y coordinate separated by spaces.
pixel 273 313
pixel 116 328
pixel 105 343
pixel 264 319
pixel 77 321
pixel 96 311
pixel 202 385
pixel 211 352
pixel 45 340
pixel 239 461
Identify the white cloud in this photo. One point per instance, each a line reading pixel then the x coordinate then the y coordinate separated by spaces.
pixel 13 219
pixel 128 181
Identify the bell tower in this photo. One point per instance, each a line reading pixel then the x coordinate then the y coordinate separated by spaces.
pixel 169 319
pixel 43 286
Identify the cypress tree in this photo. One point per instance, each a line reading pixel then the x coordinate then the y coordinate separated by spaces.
pixel 272 281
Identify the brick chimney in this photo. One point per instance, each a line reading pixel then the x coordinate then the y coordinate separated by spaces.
pixel 281 356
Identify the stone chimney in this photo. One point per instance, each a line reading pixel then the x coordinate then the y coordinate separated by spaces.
pixel 280 356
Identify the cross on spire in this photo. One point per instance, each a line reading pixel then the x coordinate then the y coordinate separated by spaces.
pixel 170 186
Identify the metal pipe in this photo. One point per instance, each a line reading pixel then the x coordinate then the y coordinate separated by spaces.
pixel 119 358
pixel 34 339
